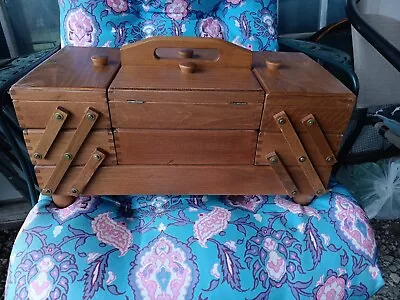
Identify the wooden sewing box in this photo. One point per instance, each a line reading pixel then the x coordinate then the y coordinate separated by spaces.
pixel 172 115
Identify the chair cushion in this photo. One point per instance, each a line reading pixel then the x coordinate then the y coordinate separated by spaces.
pixel 195 247
pixel 113 23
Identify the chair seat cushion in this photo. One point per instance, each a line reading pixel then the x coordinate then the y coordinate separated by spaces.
pixel 195 247
pixel 113 23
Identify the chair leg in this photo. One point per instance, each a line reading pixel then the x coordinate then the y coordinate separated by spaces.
pixel 361 117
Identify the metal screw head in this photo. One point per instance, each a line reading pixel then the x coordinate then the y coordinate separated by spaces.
pixel 273 159
pixel 294 192
pixel 97 156
pixel 302 159
pixel 329 159
pixel 59 116
pixel 91 117
pixel 74 191
pixel 281 121
pixel 68 156
pixel 47 191
pixel 37 155
pixel 318 192
pixel 310 122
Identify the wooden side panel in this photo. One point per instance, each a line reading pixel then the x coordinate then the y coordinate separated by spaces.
pixel 330 119
pixel 36 114
pixel 185 147
pixel 275 142
pixel 185 116
pixel 181 180
pixel 102 139
pixel 184 97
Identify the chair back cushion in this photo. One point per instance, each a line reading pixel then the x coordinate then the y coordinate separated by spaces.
pixel 113 23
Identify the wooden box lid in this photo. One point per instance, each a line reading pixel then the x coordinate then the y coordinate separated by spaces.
pixel 292 77
pixel 184 64
pixel 72 74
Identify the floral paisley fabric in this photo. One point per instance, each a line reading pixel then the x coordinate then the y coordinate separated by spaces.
pixel 195 247
pixel 113 23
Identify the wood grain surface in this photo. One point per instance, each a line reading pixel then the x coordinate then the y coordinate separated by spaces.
pixel 183 180
pixel 102 139
pixel 185 116
pixel 36 114
pixel 185 147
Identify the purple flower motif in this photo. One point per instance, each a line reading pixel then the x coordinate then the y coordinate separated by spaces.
pixel 118 6
pixel 352 226
pixel 211 27
pixel 334 287
pixel 81 28
pixel 272 255
pixel 164 269
pixel 45 273
pixel 177 9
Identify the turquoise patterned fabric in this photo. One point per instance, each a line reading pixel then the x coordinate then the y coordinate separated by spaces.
pixel 113 23
pixel 195 247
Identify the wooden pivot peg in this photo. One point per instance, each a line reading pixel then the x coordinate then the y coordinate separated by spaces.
pixel 273 65
pixel 187 68
pixel 99 60
pixel 185 53
pixel 63 201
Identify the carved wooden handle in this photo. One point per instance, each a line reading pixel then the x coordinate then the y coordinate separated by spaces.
pixel 143 53
pixel 186 53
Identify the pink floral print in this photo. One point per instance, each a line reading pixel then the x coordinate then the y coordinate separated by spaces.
pixel 177 9
pixel 296 208
pixel 112 233
pixel 118 6
pixel 211 27
pixel 80 28
pixel 333 288
pixel 234 2
pixel 352 224
pixel 211 224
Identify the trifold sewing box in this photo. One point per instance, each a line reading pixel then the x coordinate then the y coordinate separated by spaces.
pixel 173 115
